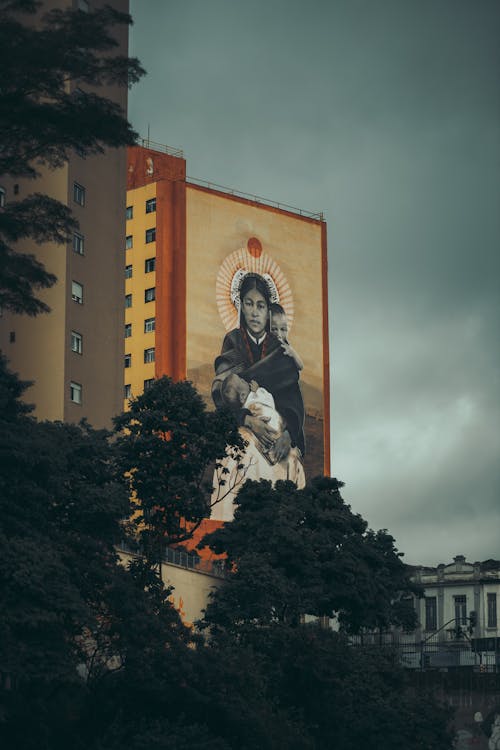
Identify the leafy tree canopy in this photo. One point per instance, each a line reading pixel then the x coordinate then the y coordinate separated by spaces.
pixel 298 552
pixel 73 621
pixel 343 697
pixel 293 552
pixel 167 443
pixel 49 108
pixel 93 656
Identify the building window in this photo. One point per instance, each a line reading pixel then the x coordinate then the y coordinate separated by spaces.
pixel 492 611
pixel 148 383
pixel 127 361
pixel 151 235
pixel 128 300
pixel 150 294
pixel 149 265
pixel 151 206
pixel 430 613
pixel 129 241
pixel 2 197
pixel 12 337
pixel 128 330
pixel 149 355
pixel 460 610
pixel 129 212
pixel 127 391
pixel 128 272
pixel 149 325
pixel 75 392
pixel 78 243
pixel 76 342
pixel 78 194
pixel 77 292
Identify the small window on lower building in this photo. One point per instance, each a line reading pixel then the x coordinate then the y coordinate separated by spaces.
pixel 127 361
pixel 129 242
pixel 148 383
pixel 129 212
pixel 151 235
pixel 151 205
pixel 430 613
pixel 76 342
pixel 149 265
pixel 492 610
pixel 77 292
pixel 75 392
pixel 12 337
pixel 2 197
pixel 460 602
pixel 149 355
pixel 149 325
pixel 128 330
pixel 78 243
pixel 128 272
pixel 127 391
pixel 128 300
pixel 150 294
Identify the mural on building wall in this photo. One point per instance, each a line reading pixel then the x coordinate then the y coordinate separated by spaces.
pixel 257 374
pixel 255 332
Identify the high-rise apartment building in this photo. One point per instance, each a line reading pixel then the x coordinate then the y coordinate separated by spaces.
pixel 188 247
pixel 74 353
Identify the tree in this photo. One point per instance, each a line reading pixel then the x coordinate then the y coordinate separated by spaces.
pixel 298 552
pixel 45 115
pixel 74 623
pixel 168 443
pixel 60 512
pixel 346 697
pixel 295 552
pixel 93 656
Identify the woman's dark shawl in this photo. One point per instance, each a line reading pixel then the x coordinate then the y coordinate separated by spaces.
pixel 276 372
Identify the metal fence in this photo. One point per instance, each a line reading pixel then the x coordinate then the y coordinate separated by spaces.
pixel 445 653
pixel 181 558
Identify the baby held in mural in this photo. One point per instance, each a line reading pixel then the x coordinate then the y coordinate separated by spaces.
pixel 257 375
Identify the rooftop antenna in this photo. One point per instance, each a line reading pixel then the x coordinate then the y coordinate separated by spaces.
pixel 148 134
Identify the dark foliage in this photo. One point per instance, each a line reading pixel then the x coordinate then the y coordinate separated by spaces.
pixel 294 552
pixel 93 656
pixel 315 557
pixel 168 440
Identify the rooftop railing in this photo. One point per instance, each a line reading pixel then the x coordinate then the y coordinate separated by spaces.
pixel 161 147
pixel 317 215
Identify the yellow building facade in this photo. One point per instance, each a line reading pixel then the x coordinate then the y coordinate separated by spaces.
pixel 140 301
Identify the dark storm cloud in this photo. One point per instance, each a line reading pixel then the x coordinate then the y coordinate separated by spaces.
pixel 386 116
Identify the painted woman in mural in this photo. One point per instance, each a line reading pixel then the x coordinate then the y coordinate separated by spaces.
pixel 266 368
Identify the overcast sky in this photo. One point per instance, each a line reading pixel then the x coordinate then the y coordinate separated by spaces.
pixel 386 116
